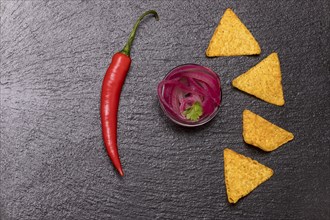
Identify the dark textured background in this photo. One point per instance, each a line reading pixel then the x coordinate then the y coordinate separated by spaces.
pixel 53 163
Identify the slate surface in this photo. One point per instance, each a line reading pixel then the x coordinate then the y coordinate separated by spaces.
pixel 53 163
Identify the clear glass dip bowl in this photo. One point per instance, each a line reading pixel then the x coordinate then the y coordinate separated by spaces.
pixel 181 85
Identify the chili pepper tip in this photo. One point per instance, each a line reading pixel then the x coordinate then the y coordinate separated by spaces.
pixel 121 172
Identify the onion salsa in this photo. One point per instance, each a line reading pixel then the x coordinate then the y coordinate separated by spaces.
pixel 190 94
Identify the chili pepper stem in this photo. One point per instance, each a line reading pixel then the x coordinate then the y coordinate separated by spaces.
pixel 127 48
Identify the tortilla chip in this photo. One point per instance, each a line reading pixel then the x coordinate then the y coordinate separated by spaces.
pixel 242 175
pixel 261 133
pixel 232 38
pixel 263 81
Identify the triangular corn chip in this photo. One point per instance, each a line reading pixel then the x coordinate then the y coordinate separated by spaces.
pixel 242 175
pixel 232 38
pixel 261 133
pixel 263 81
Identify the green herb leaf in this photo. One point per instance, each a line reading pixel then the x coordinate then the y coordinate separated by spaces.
pixel 194 112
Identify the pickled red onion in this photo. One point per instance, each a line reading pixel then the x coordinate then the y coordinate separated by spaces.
pixel 188 84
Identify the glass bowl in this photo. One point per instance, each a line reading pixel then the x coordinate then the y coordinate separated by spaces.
pixel 189 69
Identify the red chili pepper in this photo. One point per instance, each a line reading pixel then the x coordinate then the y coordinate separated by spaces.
pixel 111 89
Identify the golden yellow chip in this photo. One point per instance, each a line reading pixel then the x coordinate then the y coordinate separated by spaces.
pixel 263 81
pixel 261 133
pixel 232 38
pixel 242 175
